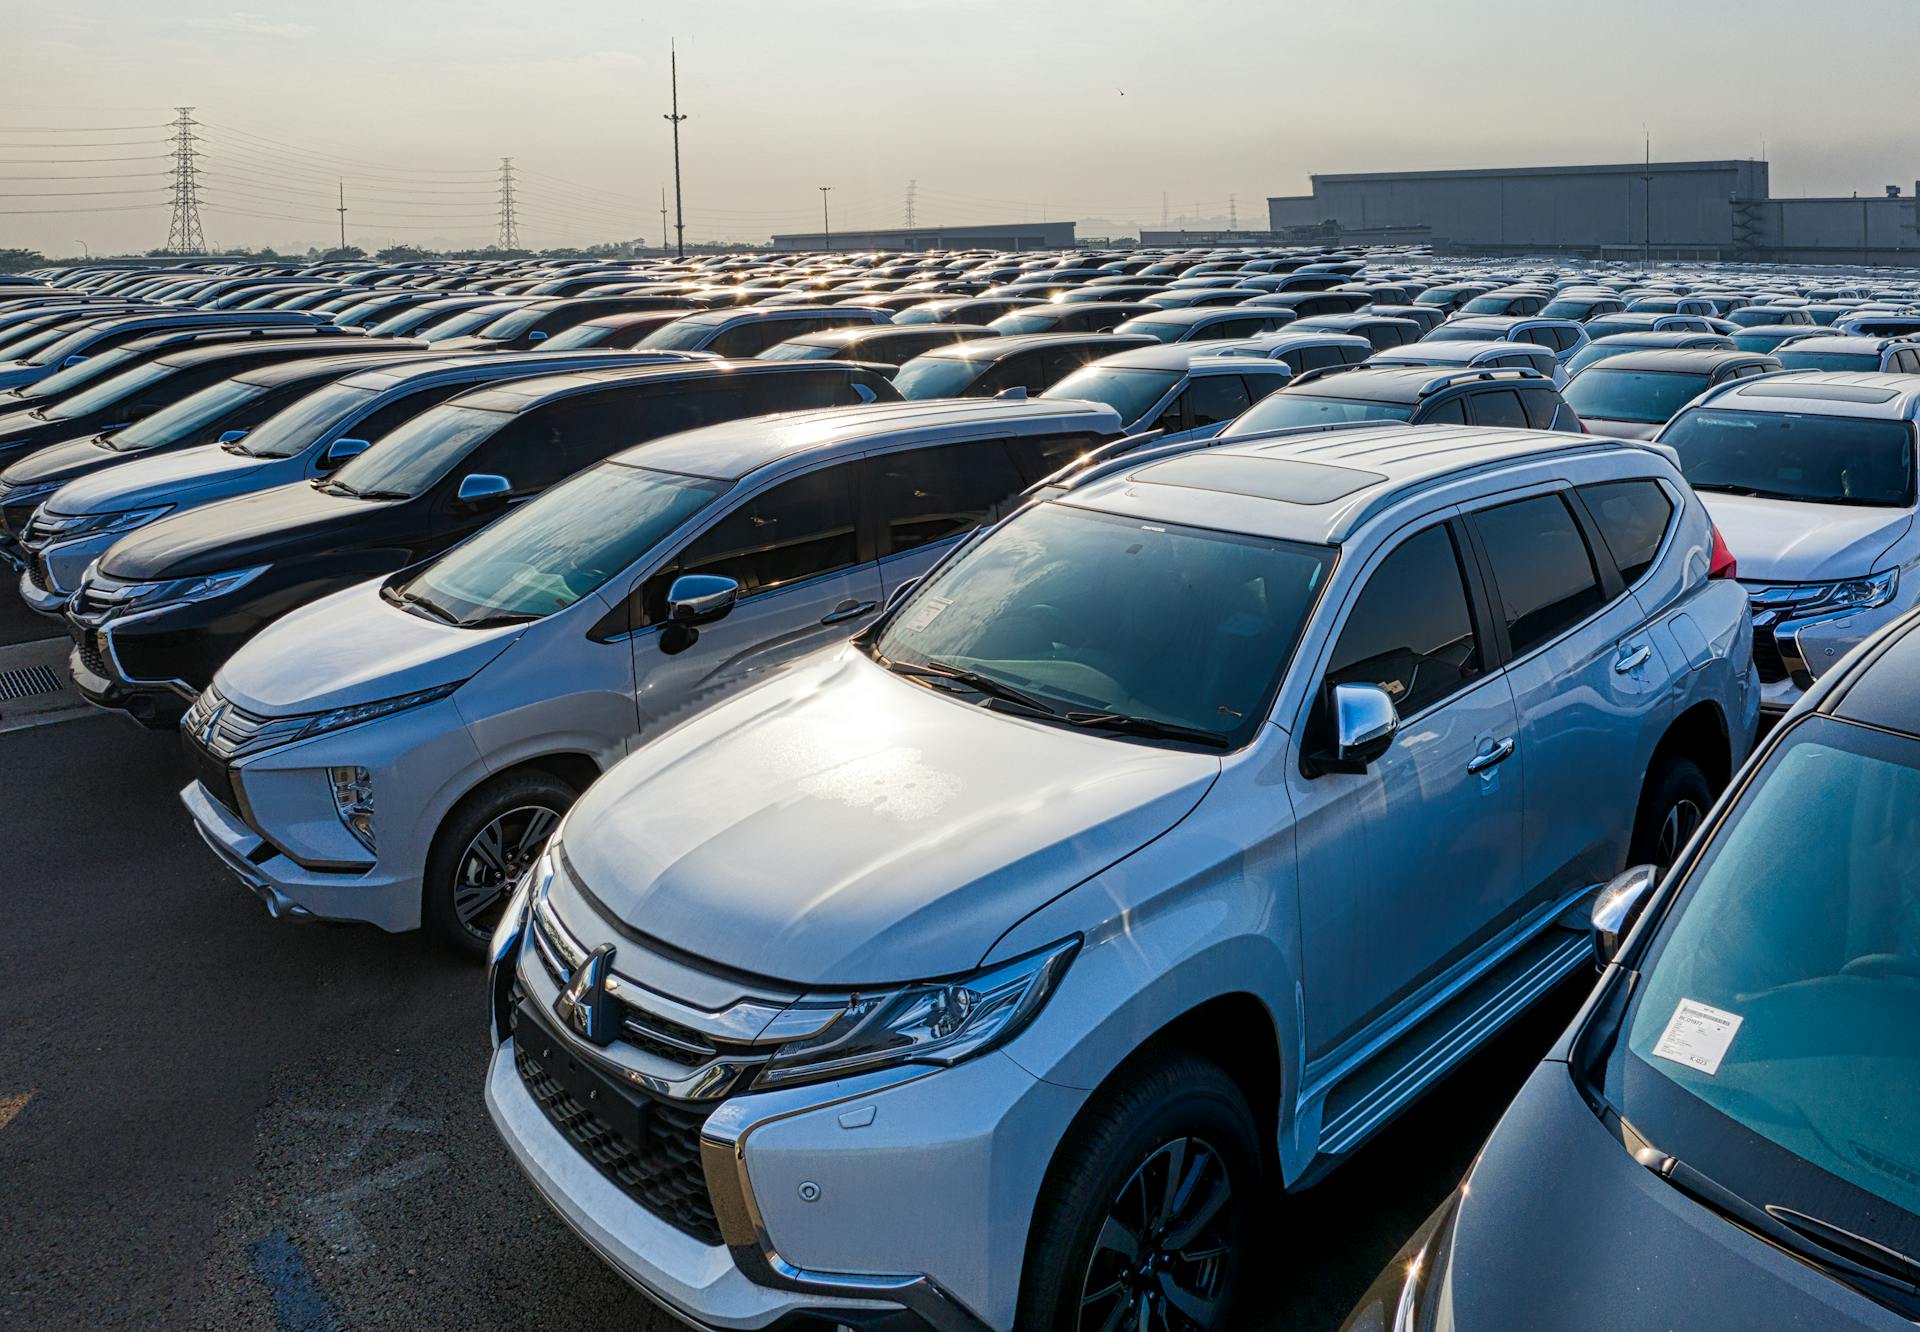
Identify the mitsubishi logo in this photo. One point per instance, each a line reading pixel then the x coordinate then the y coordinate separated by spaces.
pixel 584 1006
pixel 212 724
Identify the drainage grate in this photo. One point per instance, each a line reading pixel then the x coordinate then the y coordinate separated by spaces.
pixel 26 681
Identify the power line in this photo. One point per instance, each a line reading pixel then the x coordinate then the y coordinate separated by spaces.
pixel 108 208
pixel 183 231
pixel 66 161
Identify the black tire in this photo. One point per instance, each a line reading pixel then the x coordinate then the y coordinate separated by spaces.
pixel 1077 1270
pixel 468 878
pixel 1672 807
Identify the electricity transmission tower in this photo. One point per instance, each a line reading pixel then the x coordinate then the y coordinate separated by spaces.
pixel 183 232
pixel 913 190
pixel 509 224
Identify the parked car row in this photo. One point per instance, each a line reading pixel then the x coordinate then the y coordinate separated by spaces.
pixel 1099 734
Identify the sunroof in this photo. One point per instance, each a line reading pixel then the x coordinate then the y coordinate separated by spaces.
pixel 1284 479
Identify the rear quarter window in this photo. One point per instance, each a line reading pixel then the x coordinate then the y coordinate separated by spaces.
pixel 1633 517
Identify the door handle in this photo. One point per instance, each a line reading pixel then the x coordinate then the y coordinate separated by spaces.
pixel 848 610
pixel 1634 660
pixel 1492 759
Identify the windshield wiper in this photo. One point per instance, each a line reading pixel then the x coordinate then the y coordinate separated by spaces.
pixel 235 446
pixel 329 487
pixel 1128 724
pixel 495 621
pixel 1884 1275
pixel 1750 492
pixel 980 684
pixel 432 608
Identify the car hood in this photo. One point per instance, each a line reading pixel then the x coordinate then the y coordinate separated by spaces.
pixel 65 461
pixel 353 647
pixel 1599 1241
pixel 147 479
pixel 1781 541
pixel 843 826
pixel 235 534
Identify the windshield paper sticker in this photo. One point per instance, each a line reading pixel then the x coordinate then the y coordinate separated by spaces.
pixel 925 613
pixel 1698 1036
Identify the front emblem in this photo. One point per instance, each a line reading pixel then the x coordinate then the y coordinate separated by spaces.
pixel 584 1006
pixel 212 724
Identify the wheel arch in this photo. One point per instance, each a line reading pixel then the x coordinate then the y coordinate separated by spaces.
pixel 1699 733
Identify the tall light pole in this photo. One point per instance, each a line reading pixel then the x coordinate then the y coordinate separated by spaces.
pixel 826 226
pixel 84 251
pixel 679 214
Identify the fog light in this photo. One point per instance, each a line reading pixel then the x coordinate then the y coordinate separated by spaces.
pixel 353 799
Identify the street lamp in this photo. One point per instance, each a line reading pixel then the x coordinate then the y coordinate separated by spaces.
pixel 84 251
pixel 826 226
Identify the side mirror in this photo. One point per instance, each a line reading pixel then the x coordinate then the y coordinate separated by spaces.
pixel 535 336
pixel 694 600
pixel 1617 907
pixel 229 436
pixel 901 593
pixel 74 359
pixel 340 451
pixel 1364 724
pixel 481 491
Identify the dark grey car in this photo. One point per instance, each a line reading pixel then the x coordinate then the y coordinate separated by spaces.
pixel 1728 1136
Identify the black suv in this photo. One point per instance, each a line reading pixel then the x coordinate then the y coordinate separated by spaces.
pixel 1418 395
pixel 983 367
pixel 162 609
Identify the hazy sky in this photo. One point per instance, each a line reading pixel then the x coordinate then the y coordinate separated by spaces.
pixel 1087 109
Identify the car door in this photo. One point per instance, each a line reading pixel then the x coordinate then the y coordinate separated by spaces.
pixel 1588 678
pixel 1405 868
pixel 807 576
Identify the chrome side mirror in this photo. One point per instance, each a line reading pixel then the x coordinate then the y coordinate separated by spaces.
pixel 340 451
pixel 696 599
pixel 1364 725
pixel 483 490
pixel 1617 907
pixel 229 436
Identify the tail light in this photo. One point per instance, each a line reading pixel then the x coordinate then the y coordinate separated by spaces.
pixel 1722 564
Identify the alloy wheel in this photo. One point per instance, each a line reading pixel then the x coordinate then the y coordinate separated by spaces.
pixel 494 860
pixel 1161 1259
pixel 1682 821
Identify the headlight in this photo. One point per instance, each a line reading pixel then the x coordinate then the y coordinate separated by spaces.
pixel 202 587
pixel 321 723
pixel 1864 593
pixel 942 1022
pixel 11 495
pixel 353 801
pixel 62 527
pixel 506 941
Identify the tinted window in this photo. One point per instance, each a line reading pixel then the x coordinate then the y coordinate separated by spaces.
pixel 1216 398
pixel 796 530
pixel 1539 405
pixel 1450 412
pixel 1259 386
pixel 1500 407
pixel 1037 456
pixel 1817 459
pixel 1545 576
pixel 923 495
pixel 1633 518
pixel 1410 632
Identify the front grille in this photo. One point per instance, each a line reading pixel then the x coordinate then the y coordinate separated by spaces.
pixel 1766 656
pixel 228 730
pixel 37 574
pixel 657 1164
pixel 93 655
pixel 656 1035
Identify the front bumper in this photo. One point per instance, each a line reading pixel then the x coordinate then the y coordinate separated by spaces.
pixel 1793 648
pixel 104 682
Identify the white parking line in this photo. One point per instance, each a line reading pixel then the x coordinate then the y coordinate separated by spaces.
pixel 11 1106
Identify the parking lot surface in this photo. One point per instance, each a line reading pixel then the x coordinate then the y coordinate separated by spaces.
pixel 209 1119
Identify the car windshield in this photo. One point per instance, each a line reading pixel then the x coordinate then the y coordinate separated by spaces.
pixel 577 337
pixel 935 376
pixel 1567 309
pixel 108 392
pixel 1774 1038
pixel 1600 351
pixel 1784 455
pixel 1650 397
pixel 1815 360
pixel 1456 333
pixel 305 420
pixel 1285 409
pixel 1102 620
pixel 560 547
pixel 462 324
pixel 62 382
pixel 417 453
pixel 52 345
pixel 406 321
pixel 515 322
pixel 1158 332
pixel 1487 305
pixel 188 419
pixel 686 334
pixel 1131 393
pixel 798 350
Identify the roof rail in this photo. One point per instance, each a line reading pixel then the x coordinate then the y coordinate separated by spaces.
pixel 1470 375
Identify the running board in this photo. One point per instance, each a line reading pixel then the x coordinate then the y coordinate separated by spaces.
pixel 1420 1057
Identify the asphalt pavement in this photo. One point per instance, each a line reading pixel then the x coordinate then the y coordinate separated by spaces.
pixel 209 1119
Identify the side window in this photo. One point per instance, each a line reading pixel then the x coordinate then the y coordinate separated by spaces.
pixel 756 335
pixel 1545 573
pixel 552 442
pixel 1448 411
pixel 1303 359
pixel 796 530
pixel 1216 398
pixel 1540 337
pixel 1259 386
pixel 1539 405
pixel 1173 417
pixel 394 413
pixel 925 495
pixel 1633 517
pixel 1410 632
pixel 1055 364
pixel 1498 407
pixel 793 391
pixel 1353 355
pixel 1038 456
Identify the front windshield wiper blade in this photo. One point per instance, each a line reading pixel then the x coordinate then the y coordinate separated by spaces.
pixel 495 621
pixel 1146 727
pixel 980 684
pixel 414 599
pixel 1749 492
pixel 1881 1278
pixel 1870 1252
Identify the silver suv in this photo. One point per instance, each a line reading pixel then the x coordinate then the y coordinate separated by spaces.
pixel 1199 815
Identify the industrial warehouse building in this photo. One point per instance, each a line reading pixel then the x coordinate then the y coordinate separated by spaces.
pixel 1670 210
pixel 999 236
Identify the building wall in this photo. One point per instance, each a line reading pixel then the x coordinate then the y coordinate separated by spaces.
pixel 1875 230
pixel 1000 236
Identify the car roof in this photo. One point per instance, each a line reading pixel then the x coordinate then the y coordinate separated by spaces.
pixel 1846 342
pixel 1461 352
pixel 1178 356
pixel 865 333
pixel 291 348
pixel 1657 337
pixel 1317 487
pixel 523 394
pixel 1825 393
pixel 1677 360
pixel 1404 383
pixel 394 372
pixel 345 361
pixel 731 449
pixel 1187 314
pixel 991 349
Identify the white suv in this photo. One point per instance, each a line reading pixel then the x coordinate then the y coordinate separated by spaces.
pixel 1811 476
